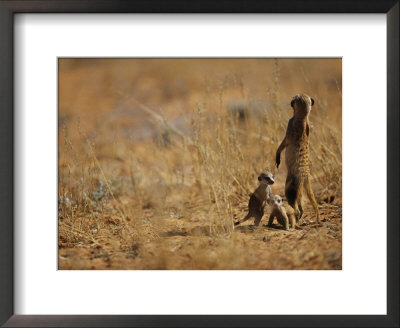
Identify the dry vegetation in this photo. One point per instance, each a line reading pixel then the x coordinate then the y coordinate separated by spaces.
pixel 157 157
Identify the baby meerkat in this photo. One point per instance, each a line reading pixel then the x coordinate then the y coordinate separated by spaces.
pixel 284 215
pixel 259 198
pixel 296 156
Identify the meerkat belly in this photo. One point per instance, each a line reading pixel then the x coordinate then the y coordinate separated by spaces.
pixel 255 205
pixel 261 195
pixel 296 158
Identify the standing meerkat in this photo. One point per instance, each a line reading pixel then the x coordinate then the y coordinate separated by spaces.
pixel 284 215
pixel 296 156
pixel 259 198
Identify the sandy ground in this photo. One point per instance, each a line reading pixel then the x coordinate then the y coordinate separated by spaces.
pixel 184 243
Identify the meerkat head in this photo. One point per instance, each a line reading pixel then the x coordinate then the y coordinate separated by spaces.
pixel 266 178
pixel 301 105
pixel 277 201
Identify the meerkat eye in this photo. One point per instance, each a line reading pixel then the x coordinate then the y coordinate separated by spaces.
pixel 292 103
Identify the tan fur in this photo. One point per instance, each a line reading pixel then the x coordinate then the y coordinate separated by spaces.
pixel 284 215
pixel 296 156
pixel 259 198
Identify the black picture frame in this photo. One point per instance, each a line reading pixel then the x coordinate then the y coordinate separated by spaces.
pixel 10 7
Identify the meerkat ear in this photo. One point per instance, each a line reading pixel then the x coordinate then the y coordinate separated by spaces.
pixel 312 102
pixel 259 178
pixel 292 103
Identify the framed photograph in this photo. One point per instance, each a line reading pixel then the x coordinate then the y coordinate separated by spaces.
pixel 218 164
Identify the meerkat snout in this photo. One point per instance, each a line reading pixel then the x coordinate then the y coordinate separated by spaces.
pixel 266 178
pixel 277 200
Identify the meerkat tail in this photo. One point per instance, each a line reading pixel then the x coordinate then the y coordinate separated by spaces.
pixel 243 220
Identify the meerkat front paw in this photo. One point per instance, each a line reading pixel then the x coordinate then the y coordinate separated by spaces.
pixel 278 160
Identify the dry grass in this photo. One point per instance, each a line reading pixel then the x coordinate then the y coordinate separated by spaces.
pixel 158 156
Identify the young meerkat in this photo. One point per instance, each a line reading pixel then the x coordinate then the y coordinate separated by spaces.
pixel 296 156
pixel 259 198
pixel 284 215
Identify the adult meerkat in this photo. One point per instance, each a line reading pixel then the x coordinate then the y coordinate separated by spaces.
pixel 284 215
pixel 296 156
pixel 259 198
